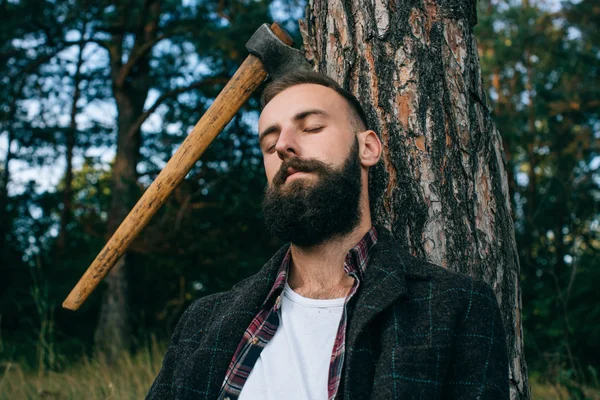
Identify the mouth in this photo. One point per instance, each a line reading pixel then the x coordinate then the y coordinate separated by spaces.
pixel 295 173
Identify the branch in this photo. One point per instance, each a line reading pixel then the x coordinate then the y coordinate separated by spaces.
pixel 140 52
pixel 9 53
pixel 33 65
pixel 101 43
pixel 146 37
pixel 142 118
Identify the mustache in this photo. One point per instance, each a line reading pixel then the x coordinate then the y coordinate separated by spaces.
pixel 301 165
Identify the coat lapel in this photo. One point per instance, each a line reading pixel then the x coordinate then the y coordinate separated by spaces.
pixel 384 282
pixel 381 286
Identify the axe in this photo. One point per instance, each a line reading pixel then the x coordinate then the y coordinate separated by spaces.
pixel 270 54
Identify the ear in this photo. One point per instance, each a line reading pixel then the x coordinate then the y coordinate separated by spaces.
pixel 369 148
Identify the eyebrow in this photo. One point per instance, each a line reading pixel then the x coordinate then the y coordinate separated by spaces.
pixel 298 117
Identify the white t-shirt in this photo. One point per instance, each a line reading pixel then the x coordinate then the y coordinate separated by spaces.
pixel 295 363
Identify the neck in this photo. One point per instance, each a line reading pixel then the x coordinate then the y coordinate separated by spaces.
pixel 318 271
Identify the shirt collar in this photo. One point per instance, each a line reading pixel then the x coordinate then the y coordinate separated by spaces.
pixel 357 258
pixel 355 263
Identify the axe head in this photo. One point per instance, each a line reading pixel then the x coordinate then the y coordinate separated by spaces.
pixel 277 57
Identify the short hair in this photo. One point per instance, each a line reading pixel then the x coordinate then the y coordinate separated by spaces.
pixel 358 117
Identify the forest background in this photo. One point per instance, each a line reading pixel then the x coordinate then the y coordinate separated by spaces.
pixel 59 95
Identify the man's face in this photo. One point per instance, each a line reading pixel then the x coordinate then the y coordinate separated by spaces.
pixel 308 122
pixel 311 157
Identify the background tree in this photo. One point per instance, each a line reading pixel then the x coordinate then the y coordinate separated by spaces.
pixel 545 89
pixel 131 33
pixel 163 82
pixel 443 188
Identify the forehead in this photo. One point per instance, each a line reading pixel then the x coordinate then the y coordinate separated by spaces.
pixel 299 98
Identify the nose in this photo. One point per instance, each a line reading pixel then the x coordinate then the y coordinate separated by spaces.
pixel 287 144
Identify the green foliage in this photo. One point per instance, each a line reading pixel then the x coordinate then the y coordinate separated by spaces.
pixel 543 72
pixel 209 233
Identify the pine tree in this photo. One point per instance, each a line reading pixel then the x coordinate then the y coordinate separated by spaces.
pixel 442 187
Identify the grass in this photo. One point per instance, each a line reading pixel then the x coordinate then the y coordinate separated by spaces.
pixel 548 391
pixel 541 391
pixel 129 377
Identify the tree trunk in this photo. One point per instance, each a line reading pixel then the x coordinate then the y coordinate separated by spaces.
pixel 70 140
pixel 442 186
pixel 4 218
pixel 130 83
pixel 4 197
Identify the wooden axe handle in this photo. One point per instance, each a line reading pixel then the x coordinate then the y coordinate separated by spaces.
pixel 247 78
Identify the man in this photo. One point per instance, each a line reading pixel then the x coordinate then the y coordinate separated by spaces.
pixel 342 311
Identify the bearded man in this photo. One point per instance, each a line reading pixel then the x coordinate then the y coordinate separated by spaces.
pixel 342 311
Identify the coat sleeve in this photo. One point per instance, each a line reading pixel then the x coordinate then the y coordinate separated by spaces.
pixel 162 387
pixel 480 367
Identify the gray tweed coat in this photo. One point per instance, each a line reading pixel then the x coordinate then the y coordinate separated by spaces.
pixel 415 331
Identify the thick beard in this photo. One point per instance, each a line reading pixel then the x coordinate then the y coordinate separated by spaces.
pixel 308 214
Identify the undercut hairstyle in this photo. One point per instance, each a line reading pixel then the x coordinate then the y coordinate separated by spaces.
pixel 358 118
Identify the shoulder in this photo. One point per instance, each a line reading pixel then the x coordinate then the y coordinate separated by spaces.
pixel 393 255
pixel 198 313
pixel 455 302
pixel 200 309
pixel 391 251
pixel 446 282
pixel 245 294
pixel 444 276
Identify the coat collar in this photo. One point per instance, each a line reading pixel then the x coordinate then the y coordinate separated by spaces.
pixel 385 281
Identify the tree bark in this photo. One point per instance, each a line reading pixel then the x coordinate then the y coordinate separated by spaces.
pixel 442 185
pixel 130 83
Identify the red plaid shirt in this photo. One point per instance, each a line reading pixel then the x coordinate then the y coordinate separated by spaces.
pixel 265 324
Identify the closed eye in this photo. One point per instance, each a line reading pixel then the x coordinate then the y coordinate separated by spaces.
pixel 314 129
